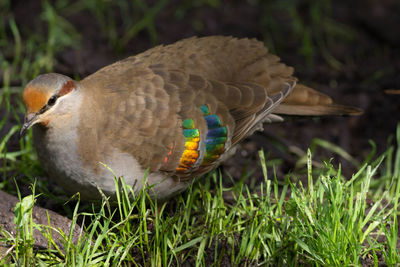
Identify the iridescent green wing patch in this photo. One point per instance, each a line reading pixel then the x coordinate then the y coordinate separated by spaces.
pixel 214 141
pixel 215 138
pixel 191 152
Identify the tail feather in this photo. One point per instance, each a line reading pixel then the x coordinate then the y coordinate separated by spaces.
pixel 317 110
pixel 305 101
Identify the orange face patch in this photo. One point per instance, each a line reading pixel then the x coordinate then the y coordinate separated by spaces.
pixel 34 99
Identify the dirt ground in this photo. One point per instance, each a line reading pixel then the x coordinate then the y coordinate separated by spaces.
pixel 362 35
pixel 365 42
pixel 369 64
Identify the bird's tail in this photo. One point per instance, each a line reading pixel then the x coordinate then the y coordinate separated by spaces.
pixel 305 101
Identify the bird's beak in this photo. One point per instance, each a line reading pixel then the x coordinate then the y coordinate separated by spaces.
pixel 30 119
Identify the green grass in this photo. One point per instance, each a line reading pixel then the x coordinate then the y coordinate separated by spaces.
pixel 331 221
pixel 314 29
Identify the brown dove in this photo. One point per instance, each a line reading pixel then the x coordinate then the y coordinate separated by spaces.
pixel 165 116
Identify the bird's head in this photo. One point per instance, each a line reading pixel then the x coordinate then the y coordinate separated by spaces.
pixel 45 98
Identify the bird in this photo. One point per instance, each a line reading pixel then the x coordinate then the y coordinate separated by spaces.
pixel 163 117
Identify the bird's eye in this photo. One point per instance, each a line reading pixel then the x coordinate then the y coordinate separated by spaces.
pixel 52 100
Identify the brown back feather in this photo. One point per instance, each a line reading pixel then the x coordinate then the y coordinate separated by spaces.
pixel 147 96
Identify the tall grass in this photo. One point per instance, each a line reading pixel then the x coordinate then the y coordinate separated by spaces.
pixel 331 222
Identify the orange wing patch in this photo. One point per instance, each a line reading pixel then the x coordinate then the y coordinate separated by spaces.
pixel 34 99
pixel 190 154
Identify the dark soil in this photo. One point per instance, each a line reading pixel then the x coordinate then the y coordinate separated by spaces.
pixel 370 64
pixel 40 216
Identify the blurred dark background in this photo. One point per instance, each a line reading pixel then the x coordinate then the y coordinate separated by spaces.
pixel 347 49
